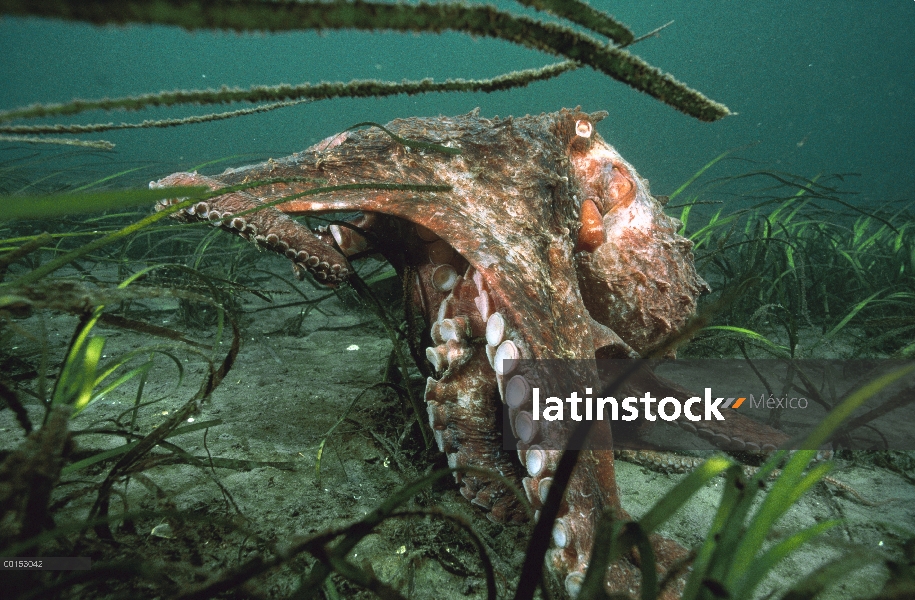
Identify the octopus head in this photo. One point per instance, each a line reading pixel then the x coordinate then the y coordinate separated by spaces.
pixel 635 271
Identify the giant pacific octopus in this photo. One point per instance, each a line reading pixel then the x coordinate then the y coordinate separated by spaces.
pixel 547 245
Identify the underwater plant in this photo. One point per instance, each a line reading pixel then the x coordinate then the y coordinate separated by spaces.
pixel 80 381
pixel 808 264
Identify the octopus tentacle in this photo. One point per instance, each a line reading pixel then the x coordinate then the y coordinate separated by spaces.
pixel 463 402
pixel 268 227
pixel 739 432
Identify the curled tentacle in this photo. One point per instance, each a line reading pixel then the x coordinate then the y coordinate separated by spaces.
pixel 266 226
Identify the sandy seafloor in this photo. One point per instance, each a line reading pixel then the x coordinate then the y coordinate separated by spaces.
pixel 280 399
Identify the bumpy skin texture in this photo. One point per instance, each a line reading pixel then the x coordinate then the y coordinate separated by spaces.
pixel 549 245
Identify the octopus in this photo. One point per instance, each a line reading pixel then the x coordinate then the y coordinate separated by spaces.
pixel 518 238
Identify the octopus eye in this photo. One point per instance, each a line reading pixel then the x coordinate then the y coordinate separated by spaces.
pixel 583 128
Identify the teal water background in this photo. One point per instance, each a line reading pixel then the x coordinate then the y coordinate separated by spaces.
pixel 819 86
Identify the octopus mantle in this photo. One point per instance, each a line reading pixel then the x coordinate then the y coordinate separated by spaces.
pixel 547 245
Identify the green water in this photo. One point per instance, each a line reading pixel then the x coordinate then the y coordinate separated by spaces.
pixel 818 86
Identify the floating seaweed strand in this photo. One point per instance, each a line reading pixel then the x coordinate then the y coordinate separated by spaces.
pixel 358 88
pixel 479 20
